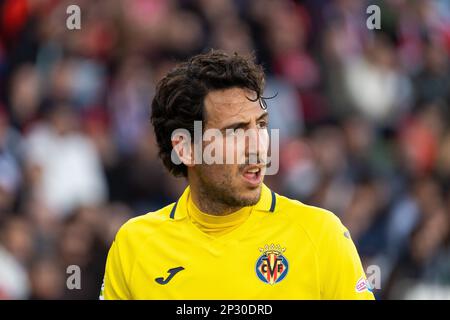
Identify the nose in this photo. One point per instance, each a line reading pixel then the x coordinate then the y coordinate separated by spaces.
pixel 255 148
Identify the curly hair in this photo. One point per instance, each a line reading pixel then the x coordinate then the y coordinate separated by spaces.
pixel 179 97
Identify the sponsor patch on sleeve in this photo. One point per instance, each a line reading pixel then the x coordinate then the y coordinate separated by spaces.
pixel 363 285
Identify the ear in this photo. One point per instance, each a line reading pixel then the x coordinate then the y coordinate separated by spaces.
pixel 183 147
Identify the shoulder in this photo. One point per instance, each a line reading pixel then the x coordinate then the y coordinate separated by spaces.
pixel 301 212
pixel 135 229
pixel 317 222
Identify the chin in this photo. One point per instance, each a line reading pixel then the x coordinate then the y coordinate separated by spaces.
pixel 251 196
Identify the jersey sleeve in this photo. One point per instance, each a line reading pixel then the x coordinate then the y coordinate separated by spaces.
pixel 115 282
pixel 341 272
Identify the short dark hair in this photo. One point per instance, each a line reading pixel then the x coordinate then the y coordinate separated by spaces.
pixel 179 97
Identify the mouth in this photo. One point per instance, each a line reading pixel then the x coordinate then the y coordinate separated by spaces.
pixel 253 175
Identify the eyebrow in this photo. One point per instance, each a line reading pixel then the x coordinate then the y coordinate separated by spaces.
pixel 244 123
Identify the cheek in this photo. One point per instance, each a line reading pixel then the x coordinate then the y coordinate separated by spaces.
pixel 220 173
pixel 234 150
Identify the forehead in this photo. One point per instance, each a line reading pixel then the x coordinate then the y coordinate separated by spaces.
pixel 224 106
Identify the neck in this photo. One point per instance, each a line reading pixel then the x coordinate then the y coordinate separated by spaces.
pixel 203 201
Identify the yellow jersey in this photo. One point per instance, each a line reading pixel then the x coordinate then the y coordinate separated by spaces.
pixel 284 249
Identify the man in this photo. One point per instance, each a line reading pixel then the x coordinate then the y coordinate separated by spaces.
pixel 228 236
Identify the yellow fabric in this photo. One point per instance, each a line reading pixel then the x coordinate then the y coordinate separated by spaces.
pixel 164 255
pixel 216 225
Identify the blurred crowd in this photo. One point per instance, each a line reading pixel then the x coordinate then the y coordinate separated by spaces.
pixel 363 118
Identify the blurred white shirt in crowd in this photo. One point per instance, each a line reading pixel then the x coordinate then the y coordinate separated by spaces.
pixel 380 94
pixel 71 172
pixel 14 282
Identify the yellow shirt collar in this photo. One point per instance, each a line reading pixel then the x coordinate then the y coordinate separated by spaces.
pixel 217 225
pixel 267 202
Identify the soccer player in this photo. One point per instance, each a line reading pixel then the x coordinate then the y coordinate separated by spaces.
pixel 228 236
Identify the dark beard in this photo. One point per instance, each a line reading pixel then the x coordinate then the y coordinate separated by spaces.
pixel 223 196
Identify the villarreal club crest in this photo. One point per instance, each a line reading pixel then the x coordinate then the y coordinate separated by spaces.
pixel 272 266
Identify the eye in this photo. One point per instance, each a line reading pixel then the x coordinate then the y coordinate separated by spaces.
pixel 231 131
pixel 262 124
